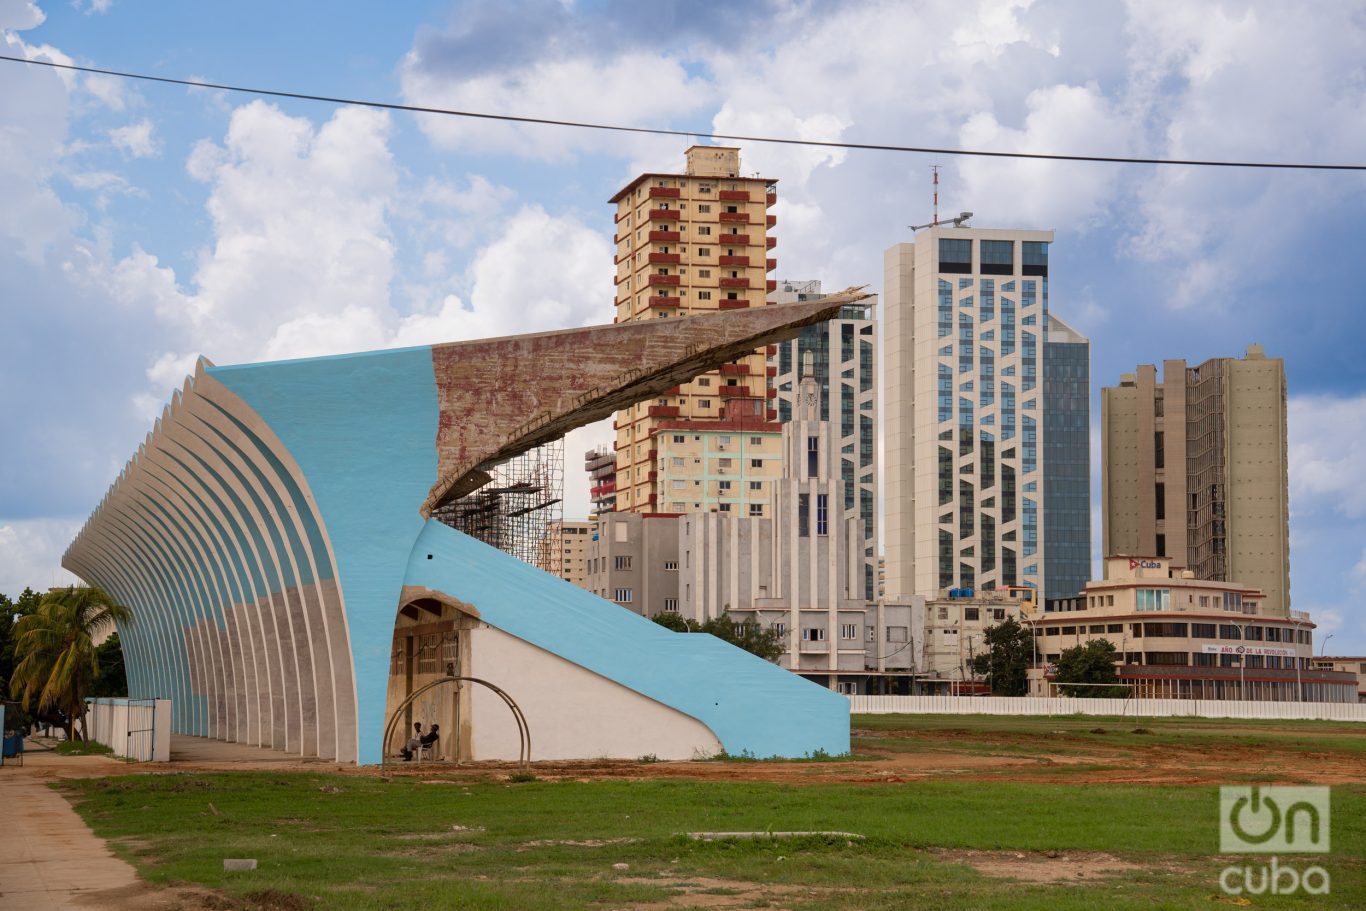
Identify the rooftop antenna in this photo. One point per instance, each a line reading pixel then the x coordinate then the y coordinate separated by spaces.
pixel 956 222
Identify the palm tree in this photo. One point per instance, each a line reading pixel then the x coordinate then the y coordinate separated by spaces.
pixel 54 649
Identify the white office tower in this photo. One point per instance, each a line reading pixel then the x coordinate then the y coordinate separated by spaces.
pixel 964 406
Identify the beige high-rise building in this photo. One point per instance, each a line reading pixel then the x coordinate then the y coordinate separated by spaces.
pixel 694 242
pixel 564 550
pixel 1194 468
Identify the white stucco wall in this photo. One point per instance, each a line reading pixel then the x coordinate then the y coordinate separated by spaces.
pixel 573 713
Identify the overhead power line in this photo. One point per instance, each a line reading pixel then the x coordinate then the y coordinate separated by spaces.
pixel 700 134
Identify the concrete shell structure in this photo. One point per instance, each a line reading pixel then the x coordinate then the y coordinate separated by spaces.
pixel 273 528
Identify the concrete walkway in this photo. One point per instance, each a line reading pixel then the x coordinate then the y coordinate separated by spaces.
pixel 49 858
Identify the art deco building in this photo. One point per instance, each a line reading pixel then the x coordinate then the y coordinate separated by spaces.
pixel 687 243
pixel 843 362
pixel 1194 468
pixel 969 409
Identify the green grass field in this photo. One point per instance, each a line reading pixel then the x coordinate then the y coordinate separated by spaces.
pixel 352 841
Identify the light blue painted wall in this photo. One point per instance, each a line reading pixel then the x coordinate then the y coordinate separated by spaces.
pixel 749 704
pixel 363 430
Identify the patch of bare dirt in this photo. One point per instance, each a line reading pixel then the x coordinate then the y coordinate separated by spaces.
pixel 1042 867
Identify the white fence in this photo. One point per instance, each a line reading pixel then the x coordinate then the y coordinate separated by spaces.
pixel 138 729
pixel 1133 708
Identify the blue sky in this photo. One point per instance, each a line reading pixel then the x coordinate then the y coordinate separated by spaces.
pixel 143 225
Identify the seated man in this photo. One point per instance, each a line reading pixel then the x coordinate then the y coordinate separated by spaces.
pixel 414 742
pixel 429 740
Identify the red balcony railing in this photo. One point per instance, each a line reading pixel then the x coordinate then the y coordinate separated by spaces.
pixel 734 260
pixel 664 214
pixel 734 195
pixel 734 282
pixel 734 392
pixel 732 304
pixel 665 192
pixel 663 411
pixel 738 369
pixel 665 235
pixel 742 217
pixel 770 199
pixel 738 239
pixel 664 279
pixel 660 303
pixel 769 265
pixel 667 258
pixel 772 285
pixel 772 220
pixel 770 242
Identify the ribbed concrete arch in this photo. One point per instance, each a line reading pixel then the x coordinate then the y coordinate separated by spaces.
pixel 261 535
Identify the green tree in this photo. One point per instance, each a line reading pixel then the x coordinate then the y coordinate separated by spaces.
pixel 112 679
pixel 767 643
pixel 10 611
pixel 1008 652
pixel 1091 663
pixel 56 660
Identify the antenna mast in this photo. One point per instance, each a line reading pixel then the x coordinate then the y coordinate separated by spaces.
pixel 934 168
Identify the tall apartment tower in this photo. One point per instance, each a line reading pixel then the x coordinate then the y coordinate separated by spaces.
pixel 968 466
pixel 843 353
pixel 1194 468
pixel 695 242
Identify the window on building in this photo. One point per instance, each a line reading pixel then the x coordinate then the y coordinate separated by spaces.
pixel 704 403
pixel 971 614
pixel 756 441
pixel 849 631
pixel 679 438
pixel 896 634
pixel 1159 450
pixel 804 515
pixel 1161 542
pixel 622 562
pixel 723 485
pixel 756 485
pixel 623 596
pixel 756 509
pixel 756 463
pixel 822 514
pixel 813 634
pixel 1152 599
pixel 671 605
pixel 621 532
pixel 812 456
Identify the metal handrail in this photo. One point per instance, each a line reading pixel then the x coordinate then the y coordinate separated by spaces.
pixel 523 729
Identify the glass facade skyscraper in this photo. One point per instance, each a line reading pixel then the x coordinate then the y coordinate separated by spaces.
pixel 1067 459
pixel 986 414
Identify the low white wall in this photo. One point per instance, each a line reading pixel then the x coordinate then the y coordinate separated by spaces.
pixel 1071 705
pixel 138 729
pixel 573 713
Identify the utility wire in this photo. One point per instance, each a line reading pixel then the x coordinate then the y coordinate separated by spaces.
pixel 702 134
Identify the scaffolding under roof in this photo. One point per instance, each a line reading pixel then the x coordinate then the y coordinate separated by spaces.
pixel 512 511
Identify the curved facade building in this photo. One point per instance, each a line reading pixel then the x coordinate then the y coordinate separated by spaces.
pixel 271 537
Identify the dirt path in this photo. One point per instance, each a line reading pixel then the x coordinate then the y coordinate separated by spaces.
pixel 51 859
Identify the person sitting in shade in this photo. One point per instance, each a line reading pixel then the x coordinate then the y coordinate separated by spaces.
pixel 429 740
pixel 414 742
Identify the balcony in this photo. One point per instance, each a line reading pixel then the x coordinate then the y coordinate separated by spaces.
pixel 661 302
pixel 734 195
pixel 741 217
pixel 734 260
pixel 734 392
pixel 664 279
pixel 770 199
pixel 737 369
pixel 770 242
pixel 664 214
pixel 734 282
pixel 771 351
pixel 663 411
pixel 772 285
pixel 665 235
pixel 732 305
pixel 667 258
pixel 739 240
pixel 772 394
pixel 654 454
pixel 772 220
pixel 665 192
pixel 769 264
pixel 771 371
pixel 772 415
